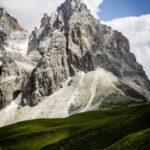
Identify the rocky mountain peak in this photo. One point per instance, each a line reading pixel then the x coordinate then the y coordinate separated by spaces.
pixel 45 20
pixel 8 23
pixel 74 41
pixel 12 30
pixel 72 6
pixel 2 11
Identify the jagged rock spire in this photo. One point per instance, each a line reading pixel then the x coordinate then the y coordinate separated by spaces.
pixel 75 41
pixel 8 23
pixel 45 20
pixel 2 11
pixel 72 5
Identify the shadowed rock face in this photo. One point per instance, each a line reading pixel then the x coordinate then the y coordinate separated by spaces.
pixel 2 101
pixel 71 40
pixel 3 38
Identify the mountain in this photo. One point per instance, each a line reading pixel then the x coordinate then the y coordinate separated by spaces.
pixel 13 63
pixel 12 34
pixel 73 64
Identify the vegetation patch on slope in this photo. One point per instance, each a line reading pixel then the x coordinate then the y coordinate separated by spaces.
pixel 91 130
pixel 136 141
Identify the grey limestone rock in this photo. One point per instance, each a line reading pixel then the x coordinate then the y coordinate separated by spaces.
pixel 69 41
pixel 72 40
pixel 11 58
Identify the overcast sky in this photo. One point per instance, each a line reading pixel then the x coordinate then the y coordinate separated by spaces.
pixel 29 12
pixel 132 17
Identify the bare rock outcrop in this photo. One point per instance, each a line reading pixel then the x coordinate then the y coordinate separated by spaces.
pixel 14 66
pixel 72 40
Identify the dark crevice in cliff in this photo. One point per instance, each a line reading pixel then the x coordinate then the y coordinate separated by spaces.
pixel 16 93
pixel 0 70
pixel 66 17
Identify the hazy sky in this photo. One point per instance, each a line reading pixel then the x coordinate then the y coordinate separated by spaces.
pixel 29 12
pixel 132 17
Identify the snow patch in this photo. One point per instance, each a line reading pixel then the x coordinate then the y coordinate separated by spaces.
pixel 27 67
pixel 93 91
pixel 14 104
pixel 15 46
pixel 80 77
pixel 8 114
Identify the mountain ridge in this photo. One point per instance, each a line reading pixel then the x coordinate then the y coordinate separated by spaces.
pixel 73 64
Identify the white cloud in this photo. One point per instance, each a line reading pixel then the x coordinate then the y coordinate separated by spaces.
pixel 93 5
pixel 29 12
pixel 137 30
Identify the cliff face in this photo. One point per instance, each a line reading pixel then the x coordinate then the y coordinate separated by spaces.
pixel 11 32
pixel 13 62
pixel 12 35
pixel 71 40
pixel 81 65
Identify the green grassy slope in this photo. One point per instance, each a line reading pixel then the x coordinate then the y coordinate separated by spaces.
pixel 136 141
pixel 91 131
